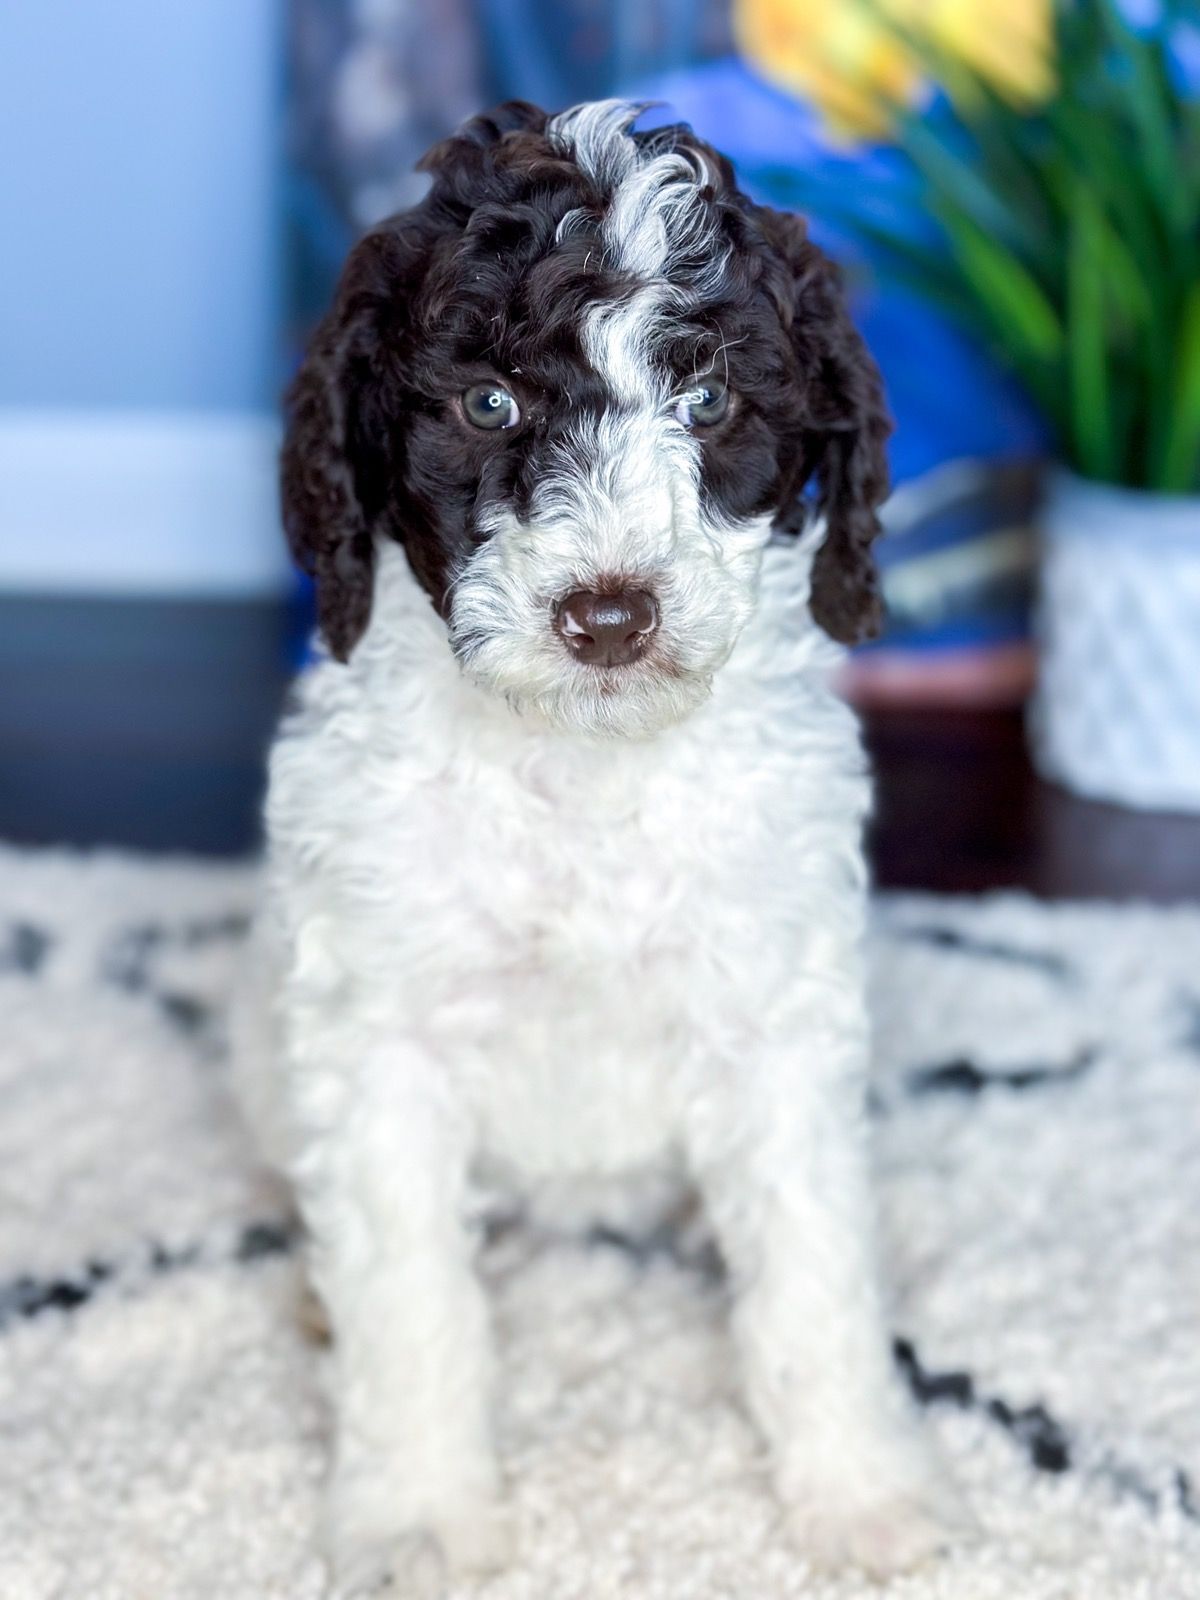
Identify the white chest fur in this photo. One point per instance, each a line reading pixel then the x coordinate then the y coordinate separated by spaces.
pixel 561 921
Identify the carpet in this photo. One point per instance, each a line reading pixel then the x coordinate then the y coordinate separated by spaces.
pixel 1036 1107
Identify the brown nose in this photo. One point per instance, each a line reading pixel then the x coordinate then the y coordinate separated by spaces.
pixel 606 630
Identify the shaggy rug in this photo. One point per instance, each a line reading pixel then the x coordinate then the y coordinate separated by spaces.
pixel 162 1427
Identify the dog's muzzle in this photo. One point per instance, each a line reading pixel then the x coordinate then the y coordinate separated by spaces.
pixel 606 630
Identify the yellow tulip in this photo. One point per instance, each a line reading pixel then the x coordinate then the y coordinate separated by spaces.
pixel 1009 43
pixel 856 60
pixel 833 53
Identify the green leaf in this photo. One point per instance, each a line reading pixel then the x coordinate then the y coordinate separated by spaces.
pixel 1124 280
pixel 955 178
pixel 1149 104
pixel 1086 353
pixel 1016 303
pixel 1181 455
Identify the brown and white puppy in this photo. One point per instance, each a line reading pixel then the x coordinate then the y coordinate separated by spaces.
pixel 566 883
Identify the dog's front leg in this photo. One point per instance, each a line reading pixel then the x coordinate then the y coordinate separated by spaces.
pixel 415 1487
pixel 778 1146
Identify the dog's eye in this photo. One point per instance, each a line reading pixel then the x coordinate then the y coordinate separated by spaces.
pixel 487 405
pixel 703 404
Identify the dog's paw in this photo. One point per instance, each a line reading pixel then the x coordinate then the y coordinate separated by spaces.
pixel 880 1529
pixel 410 1565
pixel 418 1562
pixel 881 1540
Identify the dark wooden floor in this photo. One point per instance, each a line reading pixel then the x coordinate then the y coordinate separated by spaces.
pixel 958 807
pixel 145 724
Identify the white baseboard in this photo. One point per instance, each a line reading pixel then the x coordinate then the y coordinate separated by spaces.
pixel 140 502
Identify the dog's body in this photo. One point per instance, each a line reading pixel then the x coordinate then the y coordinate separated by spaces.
pixel 576 935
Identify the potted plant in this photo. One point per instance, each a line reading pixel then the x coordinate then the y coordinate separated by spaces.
pixel 1053 151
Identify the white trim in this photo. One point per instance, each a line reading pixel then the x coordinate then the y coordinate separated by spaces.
pixel 144 502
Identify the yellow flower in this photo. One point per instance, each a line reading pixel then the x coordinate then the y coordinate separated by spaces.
pixel 1008 43
pixel 855 60
pixel 833 53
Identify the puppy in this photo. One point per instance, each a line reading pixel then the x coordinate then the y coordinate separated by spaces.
pixel 565 879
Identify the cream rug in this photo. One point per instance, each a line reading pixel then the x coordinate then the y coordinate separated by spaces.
pixel 162 1429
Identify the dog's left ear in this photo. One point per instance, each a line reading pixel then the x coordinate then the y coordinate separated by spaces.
pixel 843 430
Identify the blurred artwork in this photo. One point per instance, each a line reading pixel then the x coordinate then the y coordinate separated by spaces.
pixel 958 577
pixel 374 83
pixel 371 85
pixel 558 52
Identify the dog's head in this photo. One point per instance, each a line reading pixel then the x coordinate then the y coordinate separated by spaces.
pixel 580 383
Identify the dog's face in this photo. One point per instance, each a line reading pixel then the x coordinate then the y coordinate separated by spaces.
pixel 580 383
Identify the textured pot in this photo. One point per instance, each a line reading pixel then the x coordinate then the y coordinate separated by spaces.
pixel 1116 712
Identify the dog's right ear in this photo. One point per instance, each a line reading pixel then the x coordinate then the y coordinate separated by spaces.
pixel 842 445
pixel 335 466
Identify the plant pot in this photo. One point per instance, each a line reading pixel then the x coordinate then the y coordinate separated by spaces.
pixel 1116 712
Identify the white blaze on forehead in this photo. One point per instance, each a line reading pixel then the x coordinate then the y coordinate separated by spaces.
pixel 618 340
pixel 657 228
pixel 596 136
pixel 656 220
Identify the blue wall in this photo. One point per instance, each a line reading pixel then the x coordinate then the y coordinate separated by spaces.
pixel 139 154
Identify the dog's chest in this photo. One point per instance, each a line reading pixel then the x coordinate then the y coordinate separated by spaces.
pixel 571 928
pixel 588 904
